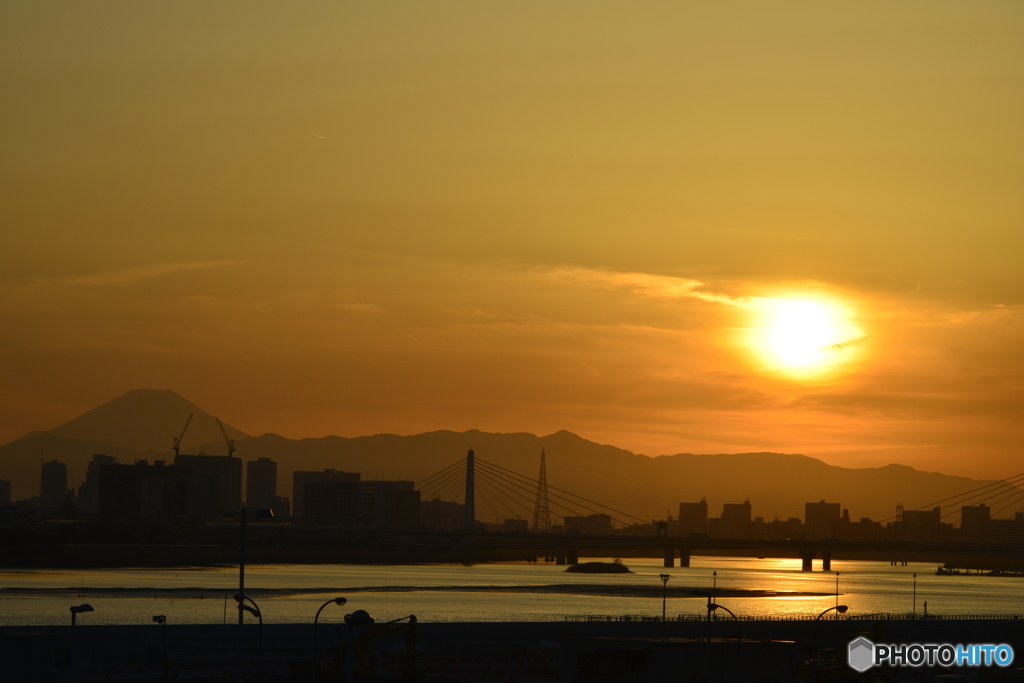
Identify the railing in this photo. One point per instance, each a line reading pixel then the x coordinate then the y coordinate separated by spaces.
pixel 877 616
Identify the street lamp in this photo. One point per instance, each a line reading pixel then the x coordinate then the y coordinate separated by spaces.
pixel 75 611
pixel 837 593
pixel 262 513
pixel 715 606
pixel 840 609
pixel 78 609
pixel 664 592
pixel 914 601
pixel 162 620
pixel 258 613
pixel 335 601
pixel 358 618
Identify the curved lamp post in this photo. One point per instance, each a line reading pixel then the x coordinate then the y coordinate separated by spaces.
pixel 715 606
pixel 840 609
pixel 75 611
pixel 162 620
pixel 664 592
pixel 335 601
pixel 358 618
pixel 78 609
pixel 258 613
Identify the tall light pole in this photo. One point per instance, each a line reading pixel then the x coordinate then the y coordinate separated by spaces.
pixel 335 601
pixel 914 601
pixel 839 609
pixel 162 620
pixel 837 594
pixel 262 513
pixel 714 590
pixel 665 591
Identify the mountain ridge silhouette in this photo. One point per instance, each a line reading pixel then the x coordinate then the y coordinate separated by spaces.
pixel 643 486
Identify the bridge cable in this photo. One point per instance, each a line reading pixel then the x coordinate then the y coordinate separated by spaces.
pixel 555 488
pixel 562 505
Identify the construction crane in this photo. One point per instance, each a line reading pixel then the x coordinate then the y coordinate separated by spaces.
pixel 231 442
pixel 177 442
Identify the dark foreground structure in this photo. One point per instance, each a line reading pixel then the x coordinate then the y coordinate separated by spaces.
pixel 523 652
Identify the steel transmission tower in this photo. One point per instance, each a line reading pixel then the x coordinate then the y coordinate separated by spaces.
pixel 542 508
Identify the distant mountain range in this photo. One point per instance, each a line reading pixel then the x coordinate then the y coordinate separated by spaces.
pixel 146 420
pixel 143 423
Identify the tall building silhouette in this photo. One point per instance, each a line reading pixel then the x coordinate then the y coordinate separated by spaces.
pixel 736 520
pixel 144 491
pixel 53 482
pixel 693 518
pixel 89 491
pixel 261 483
pixel 333 502
pixel 820 520
pixel 389 505
pixel 215 486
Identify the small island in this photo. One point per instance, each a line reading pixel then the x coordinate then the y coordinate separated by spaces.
pixel 615 567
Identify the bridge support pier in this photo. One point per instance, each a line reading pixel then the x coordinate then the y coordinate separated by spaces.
pixel 560 555
pixel 572 556
pixel 826 562
pixel 684 557
pixel 808 562
pixel 670 556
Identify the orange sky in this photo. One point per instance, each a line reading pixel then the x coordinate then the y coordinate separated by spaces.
pixel 327 218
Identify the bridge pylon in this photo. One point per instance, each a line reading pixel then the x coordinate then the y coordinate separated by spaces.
pixel 542 507
pixel 469 518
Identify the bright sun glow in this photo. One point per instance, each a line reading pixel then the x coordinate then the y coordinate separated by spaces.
pixel 801 334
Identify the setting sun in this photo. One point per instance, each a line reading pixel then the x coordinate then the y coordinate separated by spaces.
pixel 800 334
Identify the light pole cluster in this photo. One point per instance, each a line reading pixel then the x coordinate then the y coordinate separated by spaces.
pixel 356 619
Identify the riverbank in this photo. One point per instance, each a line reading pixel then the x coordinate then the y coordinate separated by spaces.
pixel 605 590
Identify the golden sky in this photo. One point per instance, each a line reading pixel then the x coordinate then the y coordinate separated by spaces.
pixel 673 227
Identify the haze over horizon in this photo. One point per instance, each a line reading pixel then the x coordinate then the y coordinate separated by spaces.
pixel 672 228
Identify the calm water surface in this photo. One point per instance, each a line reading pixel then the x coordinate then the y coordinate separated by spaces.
pixel 42 597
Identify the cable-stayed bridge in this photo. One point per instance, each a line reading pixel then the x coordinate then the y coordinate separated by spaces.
pixel 480 484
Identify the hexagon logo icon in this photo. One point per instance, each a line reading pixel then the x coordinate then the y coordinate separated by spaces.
pixel 861 655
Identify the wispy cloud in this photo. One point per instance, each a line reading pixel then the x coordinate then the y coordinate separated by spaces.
pixel 127 276
pixel 647 284
pixel 361 308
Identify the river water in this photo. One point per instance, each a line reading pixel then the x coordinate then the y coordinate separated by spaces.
pixel 292 593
